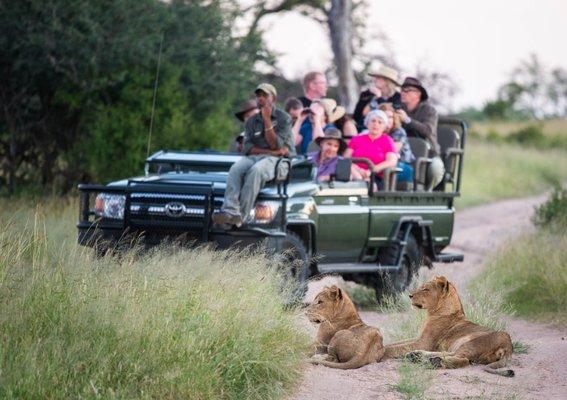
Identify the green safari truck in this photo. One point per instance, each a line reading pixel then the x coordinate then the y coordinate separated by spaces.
pixel 378 238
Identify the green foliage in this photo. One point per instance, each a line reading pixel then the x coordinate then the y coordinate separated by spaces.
pixel 414 380
pixel 552 213
pixel 531 135
pixel 78 82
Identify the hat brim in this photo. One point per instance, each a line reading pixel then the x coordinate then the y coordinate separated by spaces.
pixel 424 94
pixel 240 114
pixel 342 143
pixel 339 112
pixel 385 77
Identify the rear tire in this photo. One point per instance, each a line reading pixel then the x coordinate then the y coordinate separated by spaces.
pixel 389 283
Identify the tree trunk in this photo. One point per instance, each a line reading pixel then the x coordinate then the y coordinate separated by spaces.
pixel 340 27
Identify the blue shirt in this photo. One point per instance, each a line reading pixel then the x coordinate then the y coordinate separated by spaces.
pixel 306 131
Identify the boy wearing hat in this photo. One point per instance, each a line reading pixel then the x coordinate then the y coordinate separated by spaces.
pixel 384 90
pixel 248 109
pixel 331 144
pixel 419 119
pixel 267 138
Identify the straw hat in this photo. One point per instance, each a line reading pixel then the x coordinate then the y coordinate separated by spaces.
pixel 386 72
pixel 332 110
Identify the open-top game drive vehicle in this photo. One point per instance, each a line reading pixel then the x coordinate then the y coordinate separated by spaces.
pixel 379 238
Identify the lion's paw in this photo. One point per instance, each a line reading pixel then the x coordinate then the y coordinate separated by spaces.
pixel 416 356
pixel 318 358
pixel 436 362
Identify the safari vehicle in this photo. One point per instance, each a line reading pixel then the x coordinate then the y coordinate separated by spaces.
pixel 374 237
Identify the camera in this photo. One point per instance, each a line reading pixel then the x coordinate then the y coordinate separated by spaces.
pixel 397 106
pixel 306 111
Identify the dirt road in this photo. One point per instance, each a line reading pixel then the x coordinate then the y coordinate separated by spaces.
pixel 540 374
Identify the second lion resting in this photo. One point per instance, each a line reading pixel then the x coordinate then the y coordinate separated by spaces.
pixel 343 341
pixel 447 338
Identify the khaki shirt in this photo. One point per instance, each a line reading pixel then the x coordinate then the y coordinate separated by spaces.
pixel 255 134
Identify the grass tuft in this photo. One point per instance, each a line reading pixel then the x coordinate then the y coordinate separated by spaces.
pixel 414 380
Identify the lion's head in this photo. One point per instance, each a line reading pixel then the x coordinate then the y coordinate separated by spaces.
pixel 438 297
pixel 330 304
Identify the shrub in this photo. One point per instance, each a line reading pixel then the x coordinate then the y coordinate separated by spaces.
pixel 531 135
pixel 552 213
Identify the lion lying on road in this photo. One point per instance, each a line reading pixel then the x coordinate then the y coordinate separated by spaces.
pixel 447 339
pixel 343 341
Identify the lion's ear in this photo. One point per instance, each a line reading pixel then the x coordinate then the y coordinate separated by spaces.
pixel 336 292
pixel 443 283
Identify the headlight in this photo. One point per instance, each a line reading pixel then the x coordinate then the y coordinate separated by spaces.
pixel 110 205
pixel 264 212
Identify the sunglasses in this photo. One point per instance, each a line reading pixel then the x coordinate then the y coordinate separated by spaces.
pixel 409 90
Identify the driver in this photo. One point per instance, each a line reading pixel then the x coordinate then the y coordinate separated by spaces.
pixel 267 138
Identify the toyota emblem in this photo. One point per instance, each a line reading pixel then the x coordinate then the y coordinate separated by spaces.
pixel 174 209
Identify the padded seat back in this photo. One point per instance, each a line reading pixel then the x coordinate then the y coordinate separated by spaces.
pixel 447 138
pixel 419 147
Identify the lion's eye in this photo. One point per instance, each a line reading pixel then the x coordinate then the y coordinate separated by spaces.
pixel 320 302
pixel 426 290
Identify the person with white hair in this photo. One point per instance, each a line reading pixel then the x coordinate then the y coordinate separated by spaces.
pixel 374 144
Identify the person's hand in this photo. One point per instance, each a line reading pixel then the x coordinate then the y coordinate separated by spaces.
pixel 266 112
pixel 377 92
pixel 403 115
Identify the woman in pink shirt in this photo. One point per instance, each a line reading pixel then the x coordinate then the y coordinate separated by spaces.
pixel 374 144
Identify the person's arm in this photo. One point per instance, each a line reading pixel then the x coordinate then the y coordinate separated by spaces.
pixel 426 127
pixel 390 162
pixel 348 153
pixel 283 151
pixel 269 130
pixel 317 124
pixel 349 129
pixel 296 128
pixel 398 146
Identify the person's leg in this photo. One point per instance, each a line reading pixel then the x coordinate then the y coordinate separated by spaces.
pixel 260 173
pixel 230 210
pixel 435 173
pixel 406 174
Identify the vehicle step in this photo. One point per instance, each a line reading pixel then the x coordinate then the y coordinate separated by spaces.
pixel 353 268
pixel 449 257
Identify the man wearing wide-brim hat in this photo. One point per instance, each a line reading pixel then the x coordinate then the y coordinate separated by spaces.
pixel 246 110
pixel 267 138
pixel 419 119
pixel 384 90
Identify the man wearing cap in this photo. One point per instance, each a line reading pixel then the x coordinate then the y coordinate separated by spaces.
pixel 248 109
pixel 384 90
pixel 419 119
pixel 267 138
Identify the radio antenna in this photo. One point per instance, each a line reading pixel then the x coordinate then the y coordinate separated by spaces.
pixel 155 96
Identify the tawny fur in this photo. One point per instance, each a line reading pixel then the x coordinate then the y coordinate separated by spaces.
pixel 447 338
pixel 342 341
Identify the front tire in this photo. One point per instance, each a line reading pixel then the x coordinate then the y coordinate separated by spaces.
pixel 295 266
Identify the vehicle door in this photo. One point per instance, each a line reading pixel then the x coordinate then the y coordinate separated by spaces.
pixel 342 227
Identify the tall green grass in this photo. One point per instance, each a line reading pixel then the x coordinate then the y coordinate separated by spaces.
pixel 494 171
pixel 530 270
pixel 195 324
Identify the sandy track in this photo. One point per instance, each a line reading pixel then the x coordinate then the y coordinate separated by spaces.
pixel 540 374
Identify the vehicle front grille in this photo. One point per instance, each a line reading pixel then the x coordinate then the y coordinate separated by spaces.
pixel 171 210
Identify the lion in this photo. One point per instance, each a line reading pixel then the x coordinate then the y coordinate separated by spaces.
pixel 448 339
pixel 342 341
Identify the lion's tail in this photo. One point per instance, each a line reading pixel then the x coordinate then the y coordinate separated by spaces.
pixel 492 368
